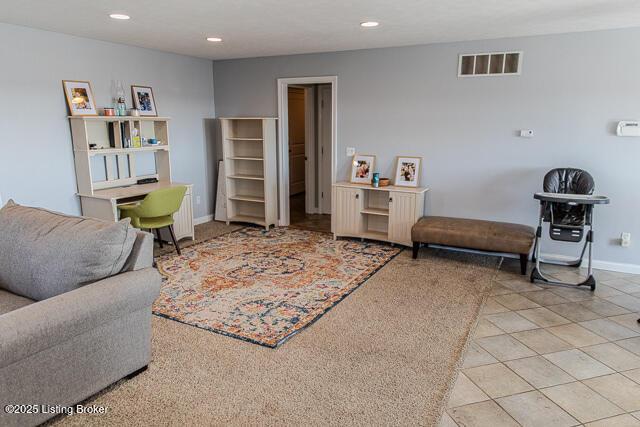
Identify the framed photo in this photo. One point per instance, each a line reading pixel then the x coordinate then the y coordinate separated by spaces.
pixel 143 100
pixel 407 171
pixel 79 98
pixel 362 168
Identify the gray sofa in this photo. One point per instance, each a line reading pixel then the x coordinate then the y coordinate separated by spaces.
pixel 61 343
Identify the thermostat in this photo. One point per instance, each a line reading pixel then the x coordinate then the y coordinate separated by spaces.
pixel 628 128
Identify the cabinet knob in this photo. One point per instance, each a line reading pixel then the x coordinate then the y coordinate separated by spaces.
pixel 357 196
pixel 390 199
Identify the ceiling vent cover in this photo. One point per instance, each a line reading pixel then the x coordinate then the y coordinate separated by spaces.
pixel 490 64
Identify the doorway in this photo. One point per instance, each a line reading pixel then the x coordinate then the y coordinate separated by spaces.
pixel 309 132
pixel 306 151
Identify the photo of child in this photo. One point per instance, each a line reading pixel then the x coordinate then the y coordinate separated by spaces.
pixel 408 171
pixel 362 168
pixel 144 101
pixel 80 99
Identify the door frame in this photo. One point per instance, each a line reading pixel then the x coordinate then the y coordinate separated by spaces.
pixel 283 137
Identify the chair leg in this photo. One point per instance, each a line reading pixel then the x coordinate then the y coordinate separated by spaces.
pixel 416 248
pixel 173 237
pixel 524 259
pixel 159 238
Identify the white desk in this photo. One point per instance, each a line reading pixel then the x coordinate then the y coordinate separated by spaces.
pixel 103 204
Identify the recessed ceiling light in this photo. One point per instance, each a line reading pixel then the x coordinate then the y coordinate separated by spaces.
pixel 214 39
pixel 120 16
pixel 369 24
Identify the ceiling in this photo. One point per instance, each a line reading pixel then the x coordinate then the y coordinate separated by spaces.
pixel 253 28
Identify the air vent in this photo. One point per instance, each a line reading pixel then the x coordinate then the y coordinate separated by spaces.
pixel 489 64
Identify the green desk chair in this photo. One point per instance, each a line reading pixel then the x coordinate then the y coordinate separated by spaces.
pixel 156 211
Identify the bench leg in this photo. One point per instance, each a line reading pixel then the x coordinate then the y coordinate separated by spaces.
pixel 524 259
pixel 416 248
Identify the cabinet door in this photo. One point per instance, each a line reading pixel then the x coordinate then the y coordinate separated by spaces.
pixel 348 205
pixel 402 211
pixel 183 219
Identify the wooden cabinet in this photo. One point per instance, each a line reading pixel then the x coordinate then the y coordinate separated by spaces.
pixel 385 213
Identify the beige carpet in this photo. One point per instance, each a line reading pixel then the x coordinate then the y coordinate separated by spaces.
pixel 385 355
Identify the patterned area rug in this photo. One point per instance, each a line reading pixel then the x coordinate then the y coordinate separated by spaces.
pixel 264 286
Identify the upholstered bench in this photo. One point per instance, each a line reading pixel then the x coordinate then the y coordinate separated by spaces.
pixel 477 234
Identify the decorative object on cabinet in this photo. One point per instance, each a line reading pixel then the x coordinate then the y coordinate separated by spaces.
pixel 407 171
pixel 143 100
pixel 362 168
pixel 79 98
pixel 384 182
pixel 107 176
pixel 250 165
pixel 383 213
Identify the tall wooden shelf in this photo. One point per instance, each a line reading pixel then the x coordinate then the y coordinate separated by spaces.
pixel 100 198
pixel 249 150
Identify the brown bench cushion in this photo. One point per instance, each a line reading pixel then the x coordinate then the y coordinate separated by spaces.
pixel 474 234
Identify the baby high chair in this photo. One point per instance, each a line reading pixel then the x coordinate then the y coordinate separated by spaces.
pixel 567 205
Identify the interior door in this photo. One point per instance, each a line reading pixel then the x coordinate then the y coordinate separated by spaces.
pixel 402 209
pixel 348 214
pixel 296 140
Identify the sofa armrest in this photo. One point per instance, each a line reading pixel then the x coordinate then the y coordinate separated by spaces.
pixel 46 323
pixel 142 252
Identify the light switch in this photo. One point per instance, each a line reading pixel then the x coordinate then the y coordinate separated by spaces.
pixel 351 151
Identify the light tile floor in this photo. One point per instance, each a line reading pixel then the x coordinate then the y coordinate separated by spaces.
pixel 552 356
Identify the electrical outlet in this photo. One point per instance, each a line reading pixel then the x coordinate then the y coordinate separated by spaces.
pixel 197 200
pixel 526 133
pixel 625 240
pixel 351 151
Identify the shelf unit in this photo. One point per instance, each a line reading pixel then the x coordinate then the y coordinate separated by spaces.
pixel 383 213
pixel 111 135
pixel 249 150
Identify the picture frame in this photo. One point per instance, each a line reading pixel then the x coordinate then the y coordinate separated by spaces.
pixel 144 101
pixel 407 171
pixel 79 96
pixel 362 168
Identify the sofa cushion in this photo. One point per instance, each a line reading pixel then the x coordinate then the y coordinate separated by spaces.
pixel 45 253
pixel 10 302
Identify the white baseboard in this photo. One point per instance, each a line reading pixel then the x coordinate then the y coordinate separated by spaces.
pixel 598 264
pixel 202 219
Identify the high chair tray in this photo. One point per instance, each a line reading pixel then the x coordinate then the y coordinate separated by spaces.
pixel 580 199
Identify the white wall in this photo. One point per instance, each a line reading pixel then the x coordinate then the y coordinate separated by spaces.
pixel 409 101
pixel 36 156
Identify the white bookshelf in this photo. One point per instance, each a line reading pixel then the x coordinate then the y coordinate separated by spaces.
pixel 249 150
pixel 120 165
